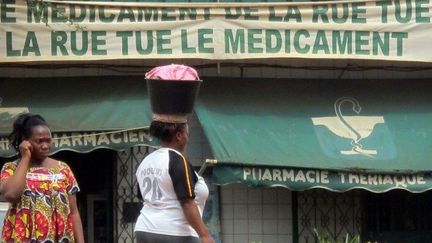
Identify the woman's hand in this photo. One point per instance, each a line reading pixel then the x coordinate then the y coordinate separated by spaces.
pixel 25 149
pixel 191 212
pixel 207 239
pixel 76 220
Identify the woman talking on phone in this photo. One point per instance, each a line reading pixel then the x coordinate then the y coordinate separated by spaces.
pixel 41 190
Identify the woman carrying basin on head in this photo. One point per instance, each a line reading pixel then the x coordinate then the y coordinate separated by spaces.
pixel 174 194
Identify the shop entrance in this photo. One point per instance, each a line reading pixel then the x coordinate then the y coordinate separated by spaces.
pixel 398 217
pixel 95 174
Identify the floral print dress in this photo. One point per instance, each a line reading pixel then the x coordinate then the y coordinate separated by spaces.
pixel 43 214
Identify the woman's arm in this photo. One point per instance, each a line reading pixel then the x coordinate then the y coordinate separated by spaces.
pixel 13 187
pixel 76 220
pixel 193 216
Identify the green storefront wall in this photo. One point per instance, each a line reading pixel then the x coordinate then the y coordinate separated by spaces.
pixel 83 113
pixel 334 134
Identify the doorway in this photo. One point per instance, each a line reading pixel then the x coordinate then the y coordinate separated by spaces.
pixel 95 174
pixel 397 216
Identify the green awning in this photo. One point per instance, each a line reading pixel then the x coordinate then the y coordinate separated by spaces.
pixel 299 179
pixel 83 113
pixel 361 126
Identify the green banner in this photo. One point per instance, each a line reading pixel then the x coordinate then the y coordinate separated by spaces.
pixel 37 30
pixel 299 179
pixel 88 141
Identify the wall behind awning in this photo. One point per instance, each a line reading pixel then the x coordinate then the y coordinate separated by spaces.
pixel 83 113
pixel 358 125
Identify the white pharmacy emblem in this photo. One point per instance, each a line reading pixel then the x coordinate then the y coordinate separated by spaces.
pixel 353 127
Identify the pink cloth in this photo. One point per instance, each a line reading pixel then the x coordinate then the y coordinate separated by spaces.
pixel 173 72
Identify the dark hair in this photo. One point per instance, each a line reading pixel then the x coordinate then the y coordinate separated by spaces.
pixel 22 127
pixel 165 131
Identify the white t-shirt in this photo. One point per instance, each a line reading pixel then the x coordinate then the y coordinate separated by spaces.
pixel 165 177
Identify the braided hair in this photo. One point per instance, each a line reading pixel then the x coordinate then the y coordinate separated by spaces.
pixel 22 128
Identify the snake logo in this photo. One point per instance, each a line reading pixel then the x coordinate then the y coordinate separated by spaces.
pixel 356 135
